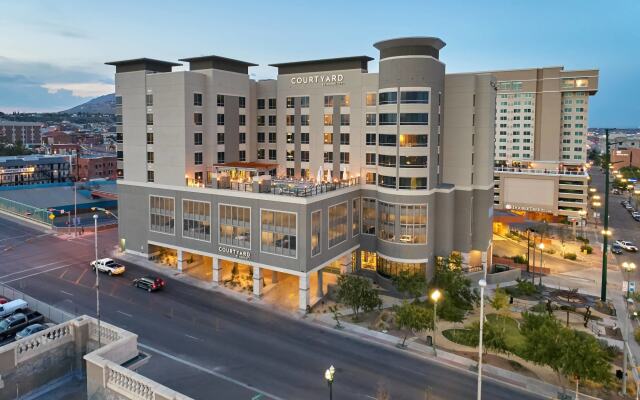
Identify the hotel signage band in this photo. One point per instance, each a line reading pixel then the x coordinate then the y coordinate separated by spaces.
pixel 324 80
pixel 243 254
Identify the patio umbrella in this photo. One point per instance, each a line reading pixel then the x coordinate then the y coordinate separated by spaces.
pixel 319 176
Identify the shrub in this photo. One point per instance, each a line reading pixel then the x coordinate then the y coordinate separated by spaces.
pixel 636 335
pixel 519 259
pixel 582 239
pixel 550 251
pixel 570 256
pixel 525 287
pixel 586 248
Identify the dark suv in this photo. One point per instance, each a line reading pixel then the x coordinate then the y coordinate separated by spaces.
pixel 149 283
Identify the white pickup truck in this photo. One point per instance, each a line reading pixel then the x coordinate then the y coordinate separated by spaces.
pixel 108 265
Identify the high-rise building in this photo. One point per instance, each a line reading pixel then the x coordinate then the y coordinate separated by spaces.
pixel 541 141
pixel 325 169
pixel 27 133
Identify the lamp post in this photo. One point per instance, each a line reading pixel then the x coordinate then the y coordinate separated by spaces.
pixel 328 375
pixel 626 348
pixel 435 296
pixel 583 214
pixel 482 284
pixel 607 160
pixel 628 267
pixel 104 210
pixel 95 226
pixel 541 246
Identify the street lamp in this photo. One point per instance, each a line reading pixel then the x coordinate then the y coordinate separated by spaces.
pixel 435 296
pixel 541 247
pixel 628 267
pixel 95 225
pixel 328 375
pixel 104 210
pixel 482 284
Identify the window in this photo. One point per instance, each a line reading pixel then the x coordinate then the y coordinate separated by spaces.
pixel 220 119
pixel 388 98
pixel 371 119
pixel 344 157
pixel 316 228
pixel 368 216
pixel 260 154
pixel 197 99
pixel 290 155
pixel 387 119
pixel 242 102
pixel 304 120
pixel 290 172
pixel 220 100
pixel 272 154
pixel 290 120
pixel 261 119
pixel 328 119
pixel 421 97
pixel 162 214
pixel 304 156
pixel 304 101
pixel 370 158
pixel 413 161
pixel 150 176
pixel 370 178
pixel 272 137
pixel 221 157
pixel 370 139
pixel 272 104
pixel 337 224
pixel 119 155
pixel 413 140
pixel 242 155
pixel 260 104
pixel 272 120
pixel 118 100
pixel 235 226
pixel 197 139
pixel 386 160
pixel 412 183
pixel 388 268
pixel 387 140
pixel 328 138
pixel 197 158
pixel 344 138
pixel 371 99
pixel 278 232
pixel 328 157
pixel 242 138
pixel 149 137
pixel 328 101
pixel 304 137
pixel 242 120
pixel 355 217
pixel 386 221
pixel 261 137
pixel 414 119
pixel 150 157
pixel 196 223
pixel 345 119
pixel 149 100
pixel 220 137
pixel 149 119
pixel 290 102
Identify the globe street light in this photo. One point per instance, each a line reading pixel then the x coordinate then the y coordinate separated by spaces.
pixel 482 284
pixel 328 375
pixel 435 296
pixel 628 267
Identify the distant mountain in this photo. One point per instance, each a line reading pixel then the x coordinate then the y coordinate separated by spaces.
pixel 100 105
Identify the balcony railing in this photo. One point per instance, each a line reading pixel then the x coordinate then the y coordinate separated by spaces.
pixel 282 187
pixel 540 171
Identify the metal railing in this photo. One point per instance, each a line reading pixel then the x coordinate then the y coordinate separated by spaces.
pixel 541 171
pixel 39 215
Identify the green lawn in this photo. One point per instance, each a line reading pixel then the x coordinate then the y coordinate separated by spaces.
pixel 515 340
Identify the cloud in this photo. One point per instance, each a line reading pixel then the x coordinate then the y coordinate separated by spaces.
pixel 89 89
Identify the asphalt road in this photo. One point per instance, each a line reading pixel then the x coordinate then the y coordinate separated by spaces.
pixel 208 345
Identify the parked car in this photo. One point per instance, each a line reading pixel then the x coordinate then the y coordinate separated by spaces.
pixel 624 202
pixel 616 249
pixel 628 246
pixel 13 307
pixel 30 330
pixel 635 214
pixel 629 207
pixel 3 300
pixel 149 283
pixel 17 322
pixel 108 265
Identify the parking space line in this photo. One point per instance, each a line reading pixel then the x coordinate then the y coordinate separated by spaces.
pixel 191 337
pixel 125 314
pixel 67 293
pixel 37 273
pixel 28 269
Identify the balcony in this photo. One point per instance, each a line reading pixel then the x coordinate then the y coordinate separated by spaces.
pixel 535 171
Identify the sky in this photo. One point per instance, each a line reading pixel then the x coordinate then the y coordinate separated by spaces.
pixel 52 53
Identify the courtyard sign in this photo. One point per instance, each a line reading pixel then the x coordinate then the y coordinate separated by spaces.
pixel 243 254
pixel 323 80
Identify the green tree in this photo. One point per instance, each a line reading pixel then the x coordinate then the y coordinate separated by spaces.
pixel 583 357
pixel 357 293
pixel 543 340
pixel 411 317
pixel 449 312
pixel 410 284
pixel 500 300
pixel 454 285
pixel 494 337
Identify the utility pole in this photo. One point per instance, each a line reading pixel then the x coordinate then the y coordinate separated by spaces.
pixel 75 210
pixel 605 235
pixel 95 222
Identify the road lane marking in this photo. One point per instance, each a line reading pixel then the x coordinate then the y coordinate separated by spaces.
pixel 38 273
pixel 13 237
pixel 210 372
pixel 67 293
pixel 29 269
pixel 191 337
pixel 125 314
pixel 81 275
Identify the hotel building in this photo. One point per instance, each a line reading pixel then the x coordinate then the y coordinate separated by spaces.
pixel 326 169
pixel 541 141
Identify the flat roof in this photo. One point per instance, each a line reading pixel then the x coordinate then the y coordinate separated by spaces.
pixel 410 46
pixel 142 64
pixel 218 62
pixel 5 122
pixel 326 64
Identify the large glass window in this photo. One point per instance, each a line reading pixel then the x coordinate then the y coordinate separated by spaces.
pixel 368 216
pixel 337 224
pixel 355 217
pixel 278 233
pixel 235 226
pixel 388 98
pixel 387 140
pixel 413 161
pixel 421 97
pixel 162 214
pixel 387 181
pixel 407 140
pixel 386 160
pixel 414 119
pixel 413 223
pixel 412 183
pixel 386 221
pixel 371 99
pixel 387 119
pixel 316 228
pixel 196 219
pixel 390 268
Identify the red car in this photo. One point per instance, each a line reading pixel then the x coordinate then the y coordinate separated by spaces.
pixel 3 300
pixel 149 283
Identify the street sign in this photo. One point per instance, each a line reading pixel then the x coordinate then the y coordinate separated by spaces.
pixel 52 216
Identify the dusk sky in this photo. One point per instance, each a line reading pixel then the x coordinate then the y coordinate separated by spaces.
pixel 52 53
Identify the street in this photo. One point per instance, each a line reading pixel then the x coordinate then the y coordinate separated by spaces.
pixel 206 344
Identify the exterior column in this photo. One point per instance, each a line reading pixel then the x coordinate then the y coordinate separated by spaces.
pixel 274 276
pixel 320 292
pixel 358 265
pixel 179 261
pixel 303 293
pixel 484 257
pixel 216 271
pixel 257 281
